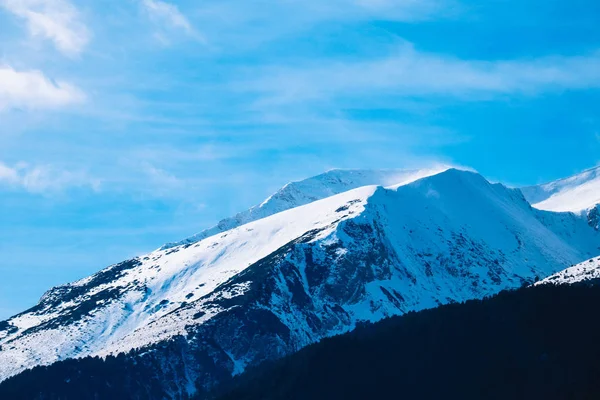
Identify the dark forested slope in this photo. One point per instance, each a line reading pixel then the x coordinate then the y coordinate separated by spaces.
pixel 535 343
pixel 541 342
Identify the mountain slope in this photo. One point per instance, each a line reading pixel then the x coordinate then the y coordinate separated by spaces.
pixel 517 345
pixel 318 187
pixel 594 217
pixel 577 193
pixel 196 313
pixel 534 343
pixel 95 315
pixel 585 272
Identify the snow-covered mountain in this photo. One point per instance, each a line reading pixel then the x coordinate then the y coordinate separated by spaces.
pixel 587 271
pixel 306 191
pixel 577 193
pixel 202 310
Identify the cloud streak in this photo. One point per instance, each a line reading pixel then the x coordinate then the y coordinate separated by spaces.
pixel 169 16
pixel 33 90
pixel 233 25
pixel 409 72
pixel 44 179
pixel 55 20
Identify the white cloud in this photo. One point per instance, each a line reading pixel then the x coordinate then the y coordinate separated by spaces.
pixel 162 178
pixel 55 20
pixel 413 73
pixel 8 175
pixel 32 90
pixel 170 16
pixel 44 179
pixel 233 25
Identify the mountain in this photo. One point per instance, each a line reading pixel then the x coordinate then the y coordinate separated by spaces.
pixel 585 272
pixel 594 217
pixel 306 191
pixel 150 298
pixel 192 315
pixel 538 342
pixel 533 343
pixel 576 194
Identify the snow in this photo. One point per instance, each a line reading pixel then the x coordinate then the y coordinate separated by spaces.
pixel 330 183
pixel 168 275
pixel 586 271
pixel 491 220
pixel 575 194
pixel 453 221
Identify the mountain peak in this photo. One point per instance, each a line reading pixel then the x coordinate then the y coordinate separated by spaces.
pixel 299 193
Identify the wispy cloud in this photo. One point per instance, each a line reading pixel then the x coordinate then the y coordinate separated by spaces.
pixel 8 175
pixel 55 20
pixel 170 17
pixel 233 25
pixel 44 179
pixel 33 90
pixel 161 180
pixel 409 72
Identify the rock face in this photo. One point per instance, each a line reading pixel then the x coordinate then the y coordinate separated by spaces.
pixel 196 313
pixel 594 217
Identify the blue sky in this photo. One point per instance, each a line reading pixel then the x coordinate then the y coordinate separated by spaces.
pixel 126 124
